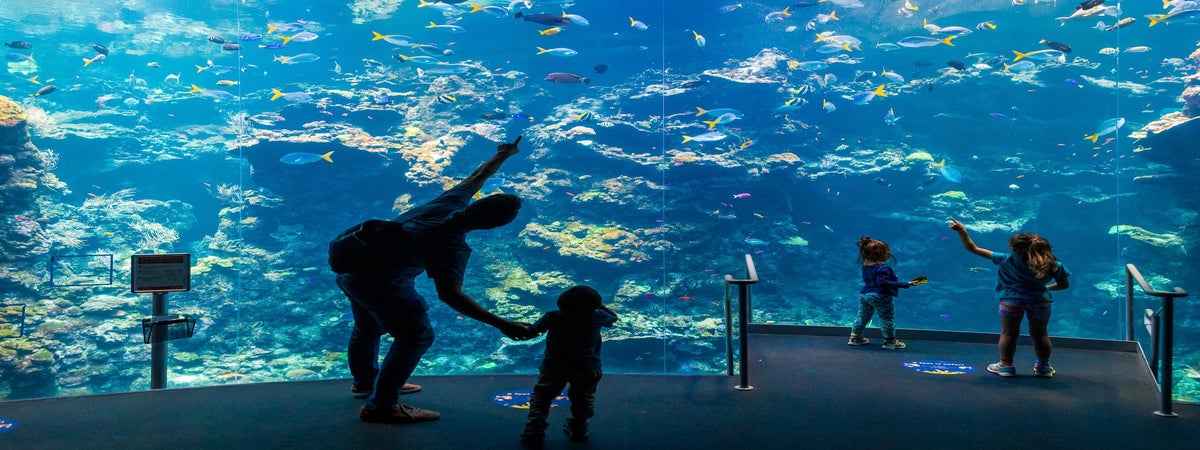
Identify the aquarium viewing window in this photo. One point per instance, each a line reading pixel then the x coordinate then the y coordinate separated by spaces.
pixel 220 145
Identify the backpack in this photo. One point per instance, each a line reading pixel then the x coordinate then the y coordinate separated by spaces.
pixel 371 246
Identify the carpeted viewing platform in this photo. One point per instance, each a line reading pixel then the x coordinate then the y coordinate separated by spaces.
pixel 810 392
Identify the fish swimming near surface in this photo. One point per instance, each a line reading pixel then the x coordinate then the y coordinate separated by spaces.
pixel 216 39
pixel 1040 55
pixel 544 19
pixel 1020 67
pixel 292 96
pixel 710 136
pixel 1056 45
pixel 447 27
pixel 721 120
pixel 925 41
pixel 498 11
pixel 394 39
pixel 214 93
pixel 1120 24
pixel 557 51
pixel 231 47
pixel 22 45
pixel 305 158
pixel 100 49
pixel 303 36
pixel 601 68
pixel 957 65
pixel 297 59
pixel 718 112
pixel 577 19
pixel 17 57
pixel 637 24
pixel 446 98
pixel 419 59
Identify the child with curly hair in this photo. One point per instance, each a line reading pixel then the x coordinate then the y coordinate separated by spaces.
pixel 1024 279
pixel 879 286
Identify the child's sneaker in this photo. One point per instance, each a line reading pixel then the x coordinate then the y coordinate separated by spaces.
pixel 577 431
pixel 1043 370
pixel 894 344
pixel 1004 370
pixel 858 340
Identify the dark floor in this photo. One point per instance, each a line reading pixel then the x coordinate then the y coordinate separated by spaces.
pixel 810 392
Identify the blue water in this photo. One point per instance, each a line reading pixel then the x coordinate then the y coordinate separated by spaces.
pixel 622 205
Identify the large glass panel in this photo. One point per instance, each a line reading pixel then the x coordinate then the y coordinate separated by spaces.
pixel 662 140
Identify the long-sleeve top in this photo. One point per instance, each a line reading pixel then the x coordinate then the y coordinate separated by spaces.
pixel 880 278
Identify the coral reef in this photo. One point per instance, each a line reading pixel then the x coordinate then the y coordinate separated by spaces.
pixel 609 243
pixel 1166 240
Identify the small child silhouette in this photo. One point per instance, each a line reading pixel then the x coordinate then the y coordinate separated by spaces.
pixel 572 357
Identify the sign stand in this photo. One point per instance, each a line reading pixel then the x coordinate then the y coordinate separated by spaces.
pixel 158 275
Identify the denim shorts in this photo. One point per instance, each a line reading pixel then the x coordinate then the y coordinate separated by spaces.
pixel 1034 309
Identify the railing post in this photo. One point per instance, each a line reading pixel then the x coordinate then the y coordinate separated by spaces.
pixel 728 332
pixel 1162 324
pixel 743 318
pixel 1128 304
pixel 1165 374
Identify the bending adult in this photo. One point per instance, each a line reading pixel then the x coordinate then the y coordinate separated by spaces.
pixel 384 300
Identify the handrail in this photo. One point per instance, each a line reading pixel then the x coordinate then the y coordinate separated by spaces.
pixel 1163 326
pixel 743 317
pixel 751 274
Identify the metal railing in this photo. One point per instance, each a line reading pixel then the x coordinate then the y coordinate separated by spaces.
pixel 743 319
pixel 1161 324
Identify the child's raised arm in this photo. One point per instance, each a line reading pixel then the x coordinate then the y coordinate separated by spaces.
pixel 967 242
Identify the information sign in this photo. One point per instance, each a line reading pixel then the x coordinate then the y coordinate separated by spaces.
pixel 168 272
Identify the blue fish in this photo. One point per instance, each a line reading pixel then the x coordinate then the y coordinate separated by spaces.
pixel 754 241
pixel 251 37
pixel 1107 127
pixel 381 99
pixel 949 173
pixel 492 184
pixel 17 57
pixel 304 158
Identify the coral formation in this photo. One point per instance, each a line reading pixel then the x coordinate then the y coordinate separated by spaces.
pixel 1166 240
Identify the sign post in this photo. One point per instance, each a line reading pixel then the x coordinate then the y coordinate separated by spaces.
pixel 158 275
